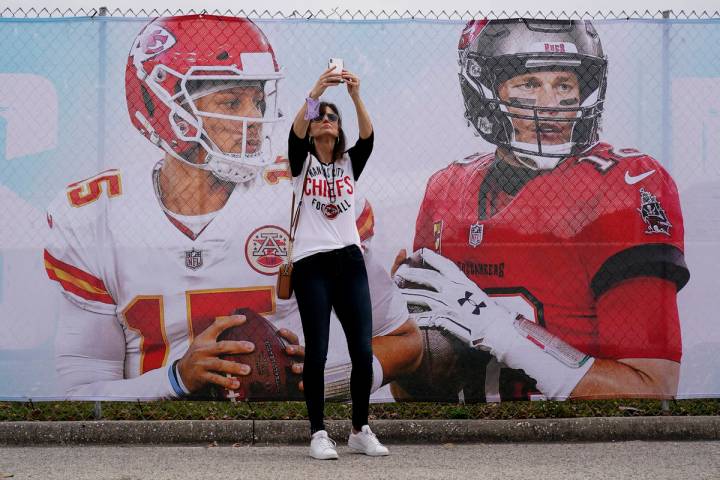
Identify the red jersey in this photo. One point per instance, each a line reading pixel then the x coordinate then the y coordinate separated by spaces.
pixel 558 245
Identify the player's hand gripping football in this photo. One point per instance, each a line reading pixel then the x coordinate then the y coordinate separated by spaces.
pixel 430 282
pixel 434 285
pixel 295 350
pixel 202 364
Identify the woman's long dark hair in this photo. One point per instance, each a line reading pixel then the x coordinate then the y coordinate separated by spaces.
pixel 339 148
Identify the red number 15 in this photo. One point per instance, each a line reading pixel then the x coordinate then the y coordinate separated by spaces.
pixel 146 315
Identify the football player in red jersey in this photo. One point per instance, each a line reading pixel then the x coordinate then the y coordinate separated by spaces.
pixel 557 258
pixel 153 261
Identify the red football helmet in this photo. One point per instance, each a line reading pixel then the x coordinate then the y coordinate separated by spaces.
pixel 176 60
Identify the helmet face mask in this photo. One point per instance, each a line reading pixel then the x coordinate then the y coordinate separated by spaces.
pixel 504 50
pixel 170 69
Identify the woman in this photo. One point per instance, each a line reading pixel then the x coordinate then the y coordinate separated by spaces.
pixel 329 270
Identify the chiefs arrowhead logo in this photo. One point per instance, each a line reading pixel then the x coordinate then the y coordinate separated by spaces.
pixel 155 42
pixel 152 42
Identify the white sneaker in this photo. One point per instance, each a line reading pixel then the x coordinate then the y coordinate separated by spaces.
pixel 366 442
pixel 322 447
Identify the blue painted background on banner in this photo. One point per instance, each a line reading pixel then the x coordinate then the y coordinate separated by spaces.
pixel 66 54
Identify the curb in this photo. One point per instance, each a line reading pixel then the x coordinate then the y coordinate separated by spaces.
pixel 275 432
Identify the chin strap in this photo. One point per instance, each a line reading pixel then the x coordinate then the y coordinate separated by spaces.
pixel 541 162
pixel 537 162
pixel 222 168
pixel 228 171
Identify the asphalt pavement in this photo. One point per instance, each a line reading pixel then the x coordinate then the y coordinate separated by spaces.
pixel 635 460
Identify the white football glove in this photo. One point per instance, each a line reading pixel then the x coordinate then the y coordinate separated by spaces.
pixel 459 306
pixel 440 286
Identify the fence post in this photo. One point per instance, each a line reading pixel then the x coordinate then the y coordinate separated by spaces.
pixel 102 77
pixel 102 62
pixel 666 130
pixel 666 121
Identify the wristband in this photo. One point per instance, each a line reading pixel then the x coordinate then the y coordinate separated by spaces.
pixel 377 379
pixel 556 366
pixel 179 379
pixel 313 108
pixel 337 380
pixel 175 381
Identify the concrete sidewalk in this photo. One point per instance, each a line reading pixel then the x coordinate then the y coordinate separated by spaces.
pixel 278 432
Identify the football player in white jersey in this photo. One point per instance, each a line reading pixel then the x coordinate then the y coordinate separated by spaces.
pixel 153 262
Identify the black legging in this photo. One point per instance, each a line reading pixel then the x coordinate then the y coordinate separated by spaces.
pixel 335 279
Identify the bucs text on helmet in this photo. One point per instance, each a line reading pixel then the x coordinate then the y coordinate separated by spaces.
pixel 491 52
pixel 176 60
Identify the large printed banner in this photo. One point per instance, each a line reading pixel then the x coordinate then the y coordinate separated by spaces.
pixel 540 215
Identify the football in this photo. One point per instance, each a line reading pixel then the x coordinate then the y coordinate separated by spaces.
pixel 439 376
pixel 450 371
pixel 271 377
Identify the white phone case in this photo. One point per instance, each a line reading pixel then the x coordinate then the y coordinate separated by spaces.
pixel 338 64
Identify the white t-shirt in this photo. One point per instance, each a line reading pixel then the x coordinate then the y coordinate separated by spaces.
pixel 324 225
pixel 327 210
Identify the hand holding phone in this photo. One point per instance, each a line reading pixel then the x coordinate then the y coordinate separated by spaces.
pixel 337 65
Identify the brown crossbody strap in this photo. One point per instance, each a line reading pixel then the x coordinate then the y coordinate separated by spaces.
pixel 295 213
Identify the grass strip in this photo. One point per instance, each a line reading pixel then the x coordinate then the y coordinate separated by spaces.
pixel 198 410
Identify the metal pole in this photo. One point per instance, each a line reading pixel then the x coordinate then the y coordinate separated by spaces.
pixel 665 92
pixel 102 76
pixel 102 57
pixel 666 121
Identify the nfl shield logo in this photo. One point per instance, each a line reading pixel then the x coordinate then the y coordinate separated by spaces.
pixel 476 234
pixel 193 259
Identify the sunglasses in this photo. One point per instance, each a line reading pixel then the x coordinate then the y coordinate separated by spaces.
pixel 330 116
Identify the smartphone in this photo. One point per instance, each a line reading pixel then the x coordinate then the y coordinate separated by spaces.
pixel 337 64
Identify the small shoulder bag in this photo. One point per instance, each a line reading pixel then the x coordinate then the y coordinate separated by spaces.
pixel 284 280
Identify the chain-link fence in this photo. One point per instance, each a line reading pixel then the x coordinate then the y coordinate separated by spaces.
pixel 363 15
pixel 558 171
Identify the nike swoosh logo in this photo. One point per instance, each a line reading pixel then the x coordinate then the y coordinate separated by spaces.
pixel 633 179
